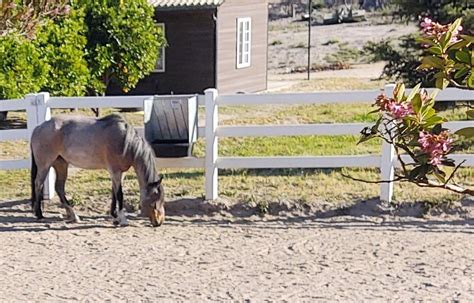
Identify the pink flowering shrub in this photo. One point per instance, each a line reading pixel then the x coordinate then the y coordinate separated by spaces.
pixel 411 124
pixel 450 53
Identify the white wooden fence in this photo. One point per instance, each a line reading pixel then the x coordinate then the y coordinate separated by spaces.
pixel 38 108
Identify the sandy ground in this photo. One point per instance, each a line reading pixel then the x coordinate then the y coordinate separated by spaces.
pixel 358 254
pixel 278 82
pixel 288 38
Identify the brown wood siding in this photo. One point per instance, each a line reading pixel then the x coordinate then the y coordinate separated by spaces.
pixel 231 79
pixel 190 55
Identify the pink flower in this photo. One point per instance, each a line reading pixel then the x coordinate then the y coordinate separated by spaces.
pixel 397 110
pixel 435 146
pixel 426 24
pixel 383 101
pixel 434 30
pixel 435 160
pixel 400 110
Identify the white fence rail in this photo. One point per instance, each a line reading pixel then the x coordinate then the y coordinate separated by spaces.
pixel 38 108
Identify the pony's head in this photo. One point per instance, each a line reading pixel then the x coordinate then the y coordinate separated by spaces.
pixel 153 205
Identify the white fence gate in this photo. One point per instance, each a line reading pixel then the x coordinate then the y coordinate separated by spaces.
pixel 38 108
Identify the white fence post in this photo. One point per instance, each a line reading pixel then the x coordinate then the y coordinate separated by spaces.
pixel 38 112
pixel 387 168
pixel 211 144
pixel 44 114
pixel 31 114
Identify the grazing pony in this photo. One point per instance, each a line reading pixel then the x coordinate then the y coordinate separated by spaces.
pixel 109 143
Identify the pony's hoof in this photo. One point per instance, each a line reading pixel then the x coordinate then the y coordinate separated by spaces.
pixel 73 220
pixel 122 223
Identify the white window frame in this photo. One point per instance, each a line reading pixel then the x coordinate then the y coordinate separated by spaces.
pixel 162 55
pixel 243 53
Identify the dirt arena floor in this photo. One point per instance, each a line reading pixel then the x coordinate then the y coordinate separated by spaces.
pixel 352 255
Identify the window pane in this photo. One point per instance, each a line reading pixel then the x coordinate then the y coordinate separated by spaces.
pixel 241 42
pixel 160 62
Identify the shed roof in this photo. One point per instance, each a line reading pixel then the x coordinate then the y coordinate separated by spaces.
pixel 184 3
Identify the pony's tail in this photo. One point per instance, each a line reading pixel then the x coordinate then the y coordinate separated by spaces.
pixel 34 172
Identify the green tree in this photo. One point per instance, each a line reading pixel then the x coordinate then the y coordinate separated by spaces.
pixel 61 43
pixel 450 54
pixel 122 42
pixel 21 69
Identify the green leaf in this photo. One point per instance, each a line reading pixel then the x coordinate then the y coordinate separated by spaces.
pixel 434 93
pixel 467 132
pixel 454 26
pixel 413 92
pixel 418 172
pixel 467 38
pixel 434 120
pixel 448 162
pixel 442 83
pixel 427 113
pixel 463 56
pixel 461 72
pixel 439 75
pixel 436 50
pixel 432 61
pixel 459 44
pixel 416 103
pixel 423 40
pixel 445 39
pixel 470 79
pixel 399 91
pixel 470 114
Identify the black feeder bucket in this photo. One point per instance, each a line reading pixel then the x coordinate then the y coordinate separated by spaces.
pixel 171 125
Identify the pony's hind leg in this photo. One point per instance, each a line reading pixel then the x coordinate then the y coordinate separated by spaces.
pixel 38 191
pixel 61 166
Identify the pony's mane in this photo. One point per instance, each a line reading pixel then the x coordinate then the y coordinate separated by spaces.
pixel 139 149
pixel 113 118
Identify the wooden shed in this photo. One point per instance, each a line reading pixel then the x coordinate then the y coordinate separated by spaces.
pixel 211 43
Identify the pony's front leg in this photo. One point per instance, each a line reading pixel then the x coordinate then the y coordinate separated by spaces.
pixel 113 205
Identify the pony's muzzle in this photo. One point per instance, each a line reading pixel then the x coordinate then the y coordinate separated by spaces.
pixel 157 218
